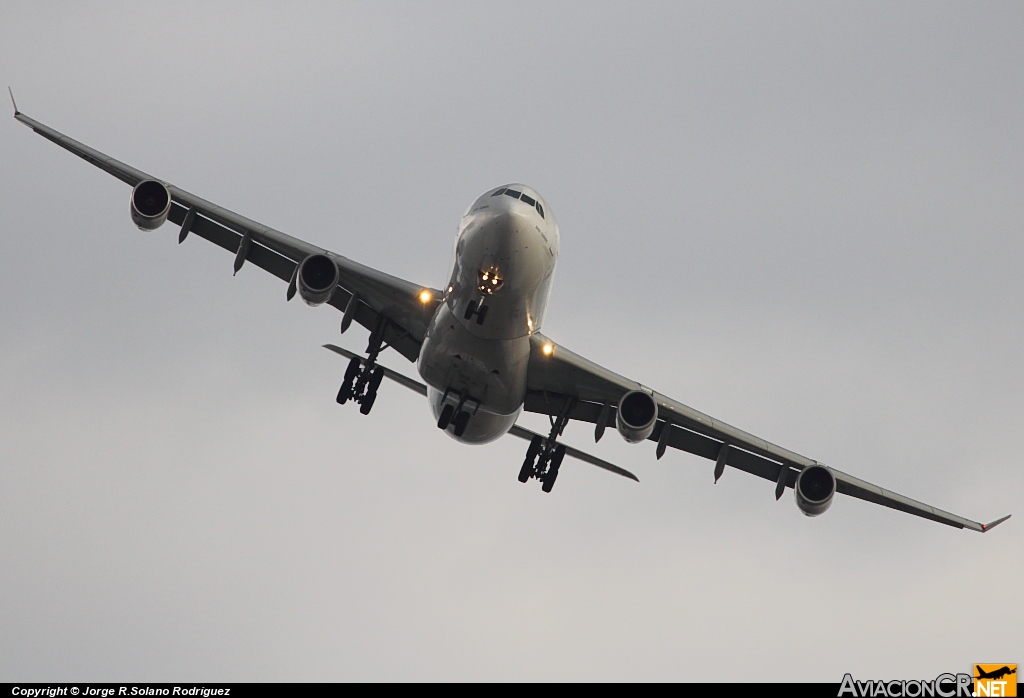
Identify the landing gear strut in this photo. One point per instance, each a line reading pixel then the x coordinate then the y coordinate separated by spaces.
pixel 544 456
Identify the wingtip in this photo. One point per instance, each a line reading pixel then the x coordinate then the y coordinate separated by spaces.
pixel 985 528
pixel 15 104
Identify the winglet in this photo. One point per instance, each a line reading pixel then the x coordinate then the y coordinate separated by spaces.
pixel 988 527
pixel 16 112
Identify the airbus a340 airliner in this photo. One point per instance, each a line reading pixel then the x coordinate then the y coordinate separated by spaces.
pixel 477 342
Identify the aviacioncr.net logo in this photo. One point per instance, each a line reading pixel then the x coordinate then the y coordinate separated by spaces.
pixel 942 686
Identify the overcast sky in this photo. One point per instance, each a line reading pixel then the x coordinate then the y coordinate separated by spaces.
pixel 806 220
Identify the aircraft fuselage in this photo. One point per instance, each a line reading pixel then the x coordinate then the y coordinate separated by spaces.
pixel 477 348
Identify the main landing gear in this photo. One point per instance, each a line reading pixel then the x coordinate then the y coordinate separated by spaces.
pixel 363 376
pixel 361 383
pixel 544 456
pixel 455 415
pixel 543 459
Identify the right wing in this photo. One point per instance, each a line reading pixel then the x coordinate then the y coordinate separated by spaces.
pixel 563 382
pixel 385 304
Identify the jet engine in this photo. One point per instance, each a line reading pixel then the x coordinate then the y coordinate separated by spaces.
pixel 814 489
pixel 151 202
pixel 317 276
pixel 636 416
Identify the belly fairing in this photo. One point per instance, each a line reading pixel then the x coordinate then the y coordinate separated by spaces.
pixel 490 373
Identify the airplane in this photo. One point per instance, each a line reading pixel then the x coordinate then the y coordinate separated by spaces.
pixel 996 674
pixel 477 342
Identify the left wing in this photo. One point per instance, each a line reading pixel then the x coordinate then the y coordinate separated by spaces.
pixel 391 308
pixel 560 382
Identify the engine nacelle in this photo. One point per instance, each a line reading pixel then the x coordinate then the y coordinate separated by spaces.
pixel 316 279
pixel 814 489
pixel 636 416
pixel 151 202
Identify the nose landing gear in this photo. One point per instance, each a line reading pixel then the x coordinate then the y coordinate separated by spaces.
pixel 480 310
pixel 544 456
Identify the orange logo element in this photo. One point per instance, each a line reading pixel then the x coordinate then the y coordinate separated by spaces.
pixel 995 680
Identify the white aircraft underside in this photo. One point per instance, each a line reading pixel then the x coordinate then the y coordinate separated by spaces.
pixel 477 347
pixel 477 343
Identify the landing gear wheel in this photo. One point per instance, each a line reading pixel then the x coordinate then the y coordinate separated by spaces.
pixel 367 404
pixel 526 471
pixel 375 378
pixel 531 455
pixel 549 480
pixel 371 390
pixel 346 386
pixel 481 314
pixel 446 416
pixel 556 459
pixel 352 370
pixel 470 309
pixel 345 393
pixel 552 474
pixel 461 421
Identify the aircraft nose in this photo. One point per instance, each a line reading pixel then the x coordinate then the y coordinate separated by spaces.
pixel 509 229
pixel 499 245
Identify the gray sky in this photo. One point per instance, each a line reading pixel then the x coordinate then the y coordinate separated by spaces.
pixel 805 220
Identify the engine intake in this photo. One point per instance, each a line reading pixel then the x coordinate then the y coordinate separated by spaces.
pixel 815 487
pixel 317 277
pixel 636 416
pixel 151 202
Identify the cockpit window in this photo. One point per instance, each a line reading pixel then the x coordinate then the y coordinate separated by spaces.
pixel 525 198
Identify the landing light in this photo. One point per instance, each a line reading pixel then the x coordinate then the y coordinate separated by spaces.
pixel 548 349
pixel 425 296
pixel 489 280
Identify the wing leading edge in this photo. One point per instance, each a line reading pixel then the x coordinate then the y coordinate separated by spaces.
pixel 386 305
pixel 557 376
